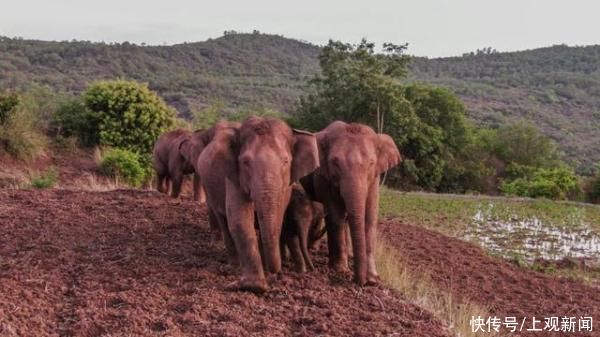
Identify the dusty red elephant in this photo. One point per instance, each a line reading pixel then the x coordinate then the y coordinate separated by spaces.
pixel 352 158
pixel 257 163
pixel 303 226
pixel 174 155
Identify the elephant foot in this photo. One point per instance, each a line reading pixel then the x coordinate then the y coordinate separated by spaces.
pixel 361 281
pixel 340 267
pixel 373 280
pixel 251 284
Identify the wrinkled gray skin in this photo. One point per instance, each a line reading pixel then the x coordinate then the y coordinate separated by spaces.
pixel 174 155
pixel 303 226
pixel 352 159
pixel 257 162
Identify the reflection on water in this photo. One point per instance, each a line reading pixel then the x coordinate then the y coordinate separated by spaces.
pixel 530 238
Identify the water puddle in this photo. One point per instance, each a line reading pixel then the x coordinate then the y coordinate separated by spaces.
pixel 530 238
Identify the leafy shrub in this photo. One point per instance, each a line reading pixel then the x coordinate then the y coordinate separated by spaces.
pixel 545 183
pixel 127 114
pixel 20 130
pixel 123 164
pixel 74 119
pixel 45 180
pixel 8 103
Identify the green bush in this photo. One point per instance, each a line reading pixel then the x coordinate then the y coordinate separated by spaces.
pixel 45 180
pixel 8 103
pixel 545 183
pixel 74 119
pixel 20 130
pixel 127 114
pixel 123 164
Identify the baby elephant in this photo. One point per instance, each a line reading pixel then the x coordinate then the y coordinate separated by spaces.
pixel 303 226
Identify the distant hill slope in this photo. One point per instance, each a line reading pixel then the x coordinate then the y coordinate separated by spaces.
pixel 555 88
pixel 242 69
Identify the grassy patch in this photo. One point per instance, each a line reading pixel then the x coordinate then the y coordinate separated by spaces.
pixel 518 230
pixel 420 290
pixel 453 214
pixel 45 179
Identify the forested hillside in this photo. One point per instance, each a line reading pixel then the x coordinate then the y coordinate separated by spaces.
pixel 240 69
pixel 557 88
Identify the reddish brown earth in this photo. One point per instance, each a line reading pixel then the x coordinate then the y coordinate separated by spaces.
pixel 507 290
pixel 135 263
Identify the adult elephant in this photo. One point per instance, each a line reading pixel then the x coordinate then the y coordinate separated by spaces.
pixel 258 163
pixel 174 155
pixel 212 166
pixel 352 159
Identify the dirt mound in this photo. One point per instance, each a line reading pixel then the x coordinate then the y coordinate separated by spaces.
pixel 137 263
pixel 468 272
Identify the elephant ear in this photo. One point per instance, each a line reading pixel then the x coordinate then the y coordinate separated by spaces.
pixel 184 148
pixel 232 167
pixel 388 154
pixel 323 145
pixel 305 154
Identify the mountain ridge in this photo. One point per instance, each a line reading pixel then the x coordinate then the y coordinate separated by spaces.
pixel 556 88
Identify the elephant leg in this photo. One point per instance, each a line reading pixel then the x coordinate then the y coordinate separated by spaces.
pixel 201 194
pixel 196 187
pixel 167 184
pixel 296 252
pixel 283 251
pixel 215 227
pixel 240 221
pixel 303 238
pixel 198 190
pixel 162 184
pixel 371 211
pixel 227 239
pixel 176 181
pixel 335 222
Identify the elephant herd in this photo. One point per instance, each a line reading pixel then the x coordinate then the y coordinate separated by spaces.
pixel 268 187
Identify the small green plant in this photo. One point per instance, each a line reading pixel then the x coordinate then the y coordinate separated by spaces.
pixel 20 130
pixel 125 165
pixel 46 179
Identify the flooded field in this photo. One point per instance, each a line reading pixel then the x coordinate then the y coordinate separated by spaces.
pixel 530 238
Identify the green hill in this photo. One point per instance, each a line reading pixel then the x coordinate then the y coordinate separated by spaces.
pixel 242 69
pixel 556 88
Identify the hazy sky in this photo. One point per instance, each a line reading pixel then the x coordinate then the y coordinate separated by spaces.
pixel 431 27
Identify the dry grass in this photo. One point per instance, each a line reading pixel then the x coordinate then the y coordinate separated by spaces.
pixel 13 178
pixel 419 289
pixel 92 182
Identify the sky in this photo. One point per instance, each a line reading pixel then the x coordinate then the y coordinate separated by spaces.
pixel 433 28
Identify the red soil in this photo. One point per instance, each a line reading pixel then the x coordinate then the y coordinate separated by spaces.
pixel 507 290
pixel 137 263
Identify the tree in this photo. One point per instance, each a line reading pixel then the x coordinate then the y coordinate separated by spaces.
pixel 523 144
pixel 127 114
pixel 357 84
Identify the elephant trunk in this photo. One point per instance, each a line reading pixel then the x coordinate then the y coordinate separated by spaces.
pixel 354 193
pixel 269 210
